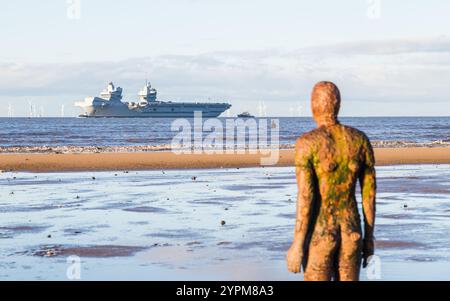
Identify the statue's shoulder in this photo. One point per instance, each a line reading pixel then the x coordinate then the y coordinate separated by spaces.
pixel 309 137
pixel 309 140
pixel 354 132
pixel 304 148
pixel 358 137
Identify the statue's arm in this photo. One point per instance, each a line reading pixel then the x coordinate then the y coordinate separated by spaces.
pixel 304 203
pixel 304 173
pixel 367 181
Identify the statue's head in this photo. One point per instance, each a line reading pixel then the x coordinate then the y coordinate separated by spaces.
pixel 325 103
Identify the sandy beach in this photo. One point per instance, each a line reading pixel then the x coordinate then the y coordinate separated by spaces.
pixel 168 160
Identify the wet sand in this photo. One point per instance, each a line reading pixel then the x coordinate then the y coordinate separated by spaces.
pixel 168 160
pixel 155 225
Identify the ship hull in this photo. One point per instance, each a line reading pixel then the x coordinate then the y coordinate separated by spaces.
pixel 154 110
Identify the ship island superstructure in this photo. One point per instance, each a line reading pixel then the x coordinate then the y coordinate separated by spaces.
pixel 110 104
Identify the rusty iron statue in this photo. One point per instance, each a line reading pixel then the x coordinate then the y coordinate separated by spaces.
pixel 328 241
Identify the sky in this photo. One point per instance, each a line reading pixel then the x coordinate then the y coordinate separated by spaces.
pixel 388 57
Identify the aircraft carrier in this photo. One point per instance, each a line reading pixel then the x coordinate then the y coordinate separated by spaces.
pixel 110 104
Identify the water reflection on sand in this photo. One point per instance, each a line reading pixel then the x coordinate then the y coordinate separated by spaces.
pixel 157 225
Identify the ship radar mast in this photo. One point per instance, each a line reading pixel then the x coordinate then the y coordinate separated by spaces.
pixel 112 93
pixel 147 93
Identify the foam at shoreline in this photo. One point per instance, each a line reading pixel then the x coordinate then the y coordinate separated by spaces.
pixel 168 147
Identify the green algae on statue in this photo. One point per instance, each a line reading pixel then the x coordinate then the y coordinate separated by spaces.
pixel 329 160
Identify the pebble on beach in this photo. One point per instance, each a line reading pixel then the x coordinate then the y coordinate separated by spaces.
pixel 50 253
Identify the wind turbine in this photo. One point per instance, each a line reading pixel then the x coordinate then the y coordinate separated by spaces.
pixel 30 105
pixel 299 110
pixel 10 110
pixel 262 109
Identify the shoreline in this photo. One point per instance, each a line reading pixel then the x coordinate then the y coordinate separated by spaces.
pixel 104 161
pixel 85 149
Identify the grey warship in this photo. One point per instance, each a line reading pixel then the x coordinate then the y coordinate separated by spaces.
pixel 110 104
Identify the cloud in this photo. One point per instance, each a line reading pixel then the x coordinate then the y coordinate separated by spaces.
pixel 384 47
pixel 391 70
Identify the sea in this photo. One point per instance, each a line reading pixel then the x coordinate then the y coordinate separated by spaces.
pixel 130 132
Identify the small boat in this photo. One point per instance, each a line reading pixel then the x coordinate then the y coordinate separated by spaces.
pixel 245 115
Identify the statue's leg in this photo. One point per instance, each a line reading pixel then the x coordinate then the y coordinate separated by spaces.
pixel 321 258
pixel 349 258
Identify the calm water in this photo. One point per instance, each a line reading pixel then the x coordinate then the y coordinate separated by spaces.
pixel 125 132
pixel 153 225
